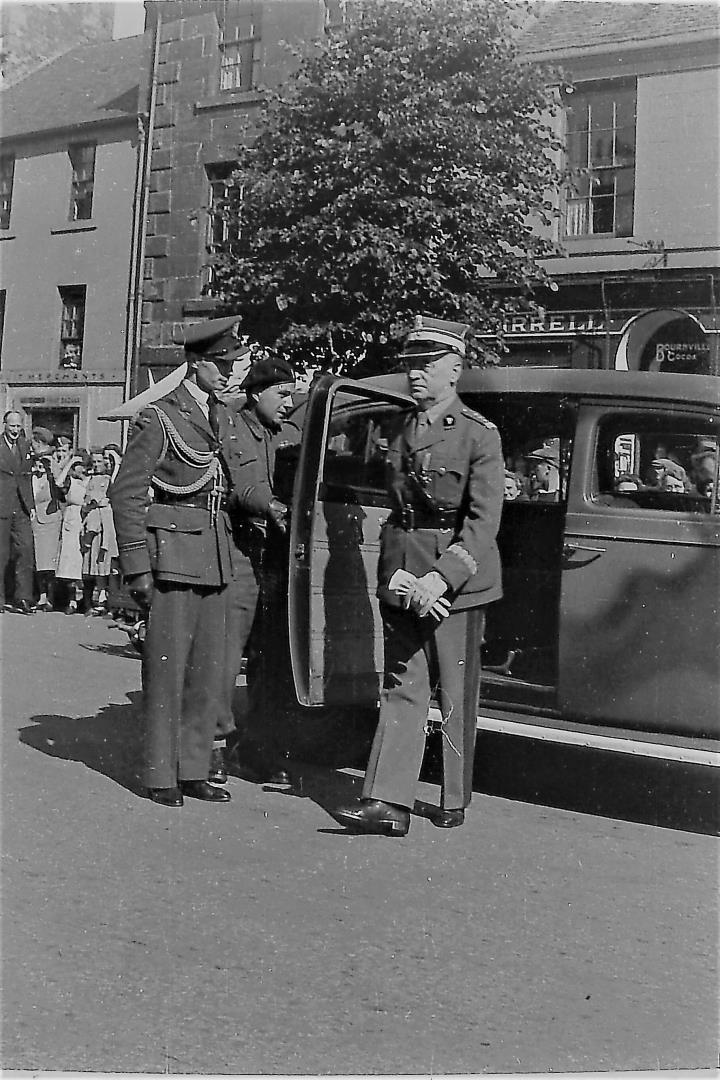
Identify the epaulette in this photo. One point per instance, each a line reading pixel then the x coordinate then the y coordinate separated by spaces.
pixel 478 418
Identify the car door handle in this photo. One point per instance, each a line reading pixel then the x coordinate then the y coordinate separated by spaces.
pixel 570 549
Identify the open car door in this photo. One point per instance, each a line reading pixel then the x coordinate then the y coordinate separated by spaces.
pixel 339 506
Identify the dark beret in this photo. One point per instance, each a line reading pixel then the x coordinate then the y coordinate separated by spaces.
pixel 266 373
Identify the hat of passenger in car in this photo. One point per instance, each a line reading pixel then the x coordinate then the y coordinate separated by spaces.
pixel 430 338
pixel 264 373
pixel 548 453
pixel 215 339
pixel 670 468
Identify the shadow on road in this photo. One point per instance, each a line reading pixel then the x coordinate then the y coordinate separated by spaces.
pixel 649 791
pixel 107 743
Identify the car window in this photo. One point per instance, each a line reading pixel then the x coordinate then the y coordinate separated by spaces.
pixel 537 438
pixel 356 449
pixel 657 464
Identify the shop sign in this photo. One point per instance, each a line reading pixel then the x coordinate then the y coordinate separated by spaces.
pixel 33 378
pixel 681 352
pixel 555 322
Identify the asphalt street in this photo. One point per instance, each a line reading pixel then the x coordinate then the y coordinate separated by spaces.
pixel 571 924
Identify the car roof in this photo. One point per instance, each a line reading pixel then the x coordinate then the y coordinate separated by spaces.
pixel 565 382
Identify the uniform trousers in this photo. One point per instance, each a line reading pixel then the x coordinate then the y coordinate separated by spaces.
pixel 422 656
pixel 241 596
pixel 183 678
pixel 16 541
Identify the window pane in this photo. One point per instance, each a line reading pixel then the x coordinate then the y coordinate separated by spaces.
pixel 646 468
pixel 577 150
pixel 625 107
pixel 577 217
pixel 602 214
pixel 601 112
pixel 624 216
pixel 601 148
pixel 577 114
pixel 625 146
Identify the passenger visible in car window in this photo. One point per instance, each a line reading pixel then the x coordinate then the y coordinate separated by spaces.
pixel 672 476
pixel 543 472
pixel 513 486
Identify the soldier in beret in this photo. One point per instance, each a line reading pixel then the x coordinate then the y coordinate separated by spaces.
pixel 258 517
pixel 176 553
pixel 439 568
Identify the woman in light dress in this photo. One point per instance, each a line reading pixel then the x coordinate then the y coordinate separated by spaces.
pixel 73 479
pixel 97 541
pixel 48 516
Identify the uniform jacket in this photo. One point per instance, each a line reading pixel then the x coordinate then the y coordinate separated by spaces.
pixel 176 542
pixel 15 478
pixel 252 464
pixel 459 465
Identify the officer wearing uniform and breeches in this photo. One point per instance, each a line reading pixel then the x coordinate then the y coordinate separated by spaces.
pixel 170 506
pixel 439 568
pixel 255 512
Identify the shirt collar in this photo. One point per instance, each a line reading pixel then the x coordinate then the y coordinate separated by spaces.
pixel 199 395
pixel 439 408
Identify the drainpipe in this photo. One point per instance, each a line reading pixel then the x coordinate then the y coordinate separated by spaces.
pixel 146 124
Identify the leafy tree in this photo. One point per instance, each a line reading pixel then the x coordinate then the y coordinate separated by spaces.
pixel 399 172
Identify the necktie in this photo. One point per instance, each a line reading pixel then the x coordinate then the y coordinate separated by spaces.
pixel 422 423
pixel 214 407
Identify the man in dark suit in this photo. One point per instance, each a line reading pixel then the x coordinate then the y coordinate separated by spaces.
pixel 177 556
pixel 17 509
pixel 439 568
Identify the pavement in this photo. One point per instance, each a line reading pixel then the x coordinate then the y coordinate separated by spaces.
pixel 570 926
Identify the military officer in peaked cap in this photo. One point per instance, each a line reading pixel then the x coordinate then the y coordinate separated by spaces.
pixel 176 553
pixel 439 568
pixel 258 519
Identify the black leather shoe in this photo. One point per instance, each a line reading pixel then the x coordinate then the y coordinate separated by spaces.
pixel 374 816
pixel 201 789
pixel 279 778
pixel 218 769
pixel 166 796
pixel 448 819
pixel 24 608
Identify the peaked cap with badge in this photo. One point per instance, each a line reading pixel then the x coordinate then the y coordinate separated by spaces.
pixel 431 338
pixel 215 339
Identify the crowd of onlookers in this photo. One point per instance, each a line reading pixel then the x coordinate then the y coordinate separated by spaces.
pixel 74 549
pixel 73 532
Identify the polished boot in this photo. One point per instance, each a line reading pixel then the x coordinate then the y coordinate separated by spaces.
pixel 218 770
pixel 201 789
pixel 374 816
pixel 448 819
pixel 166 796
pixel 249 763
pixel 23 607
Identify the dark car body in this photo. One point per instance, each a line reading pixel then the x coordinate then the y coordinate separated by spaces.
pixel 609 621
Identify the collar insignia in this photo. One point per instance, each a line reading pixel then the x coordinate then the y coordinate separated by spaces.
pixel 448 421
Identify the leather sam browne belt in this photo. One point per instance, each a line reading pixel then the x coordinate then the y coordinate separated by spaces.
pixel 207 501
pixel 409 518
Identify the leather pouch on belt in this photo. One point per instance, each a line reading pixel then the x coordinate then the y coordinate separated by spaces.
pixel 177 518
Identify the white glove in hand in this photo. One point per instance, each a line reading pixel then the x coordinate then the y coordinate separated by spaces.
pixel 277 513
pixel 426 595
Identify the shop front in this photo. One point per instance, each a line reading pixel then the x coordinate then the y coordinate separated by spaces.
pixel 621 325
pixel 67 402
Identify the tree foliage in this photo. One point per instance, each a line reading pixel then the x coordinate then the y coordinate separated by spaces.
pixel 399 172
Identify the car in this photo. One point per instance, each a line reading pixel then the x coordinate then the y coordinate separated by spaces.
pixel 608 632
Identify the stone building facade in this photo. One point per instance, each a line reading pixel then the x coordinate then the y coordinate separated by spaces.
pixel 212 58
pixel 637 282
